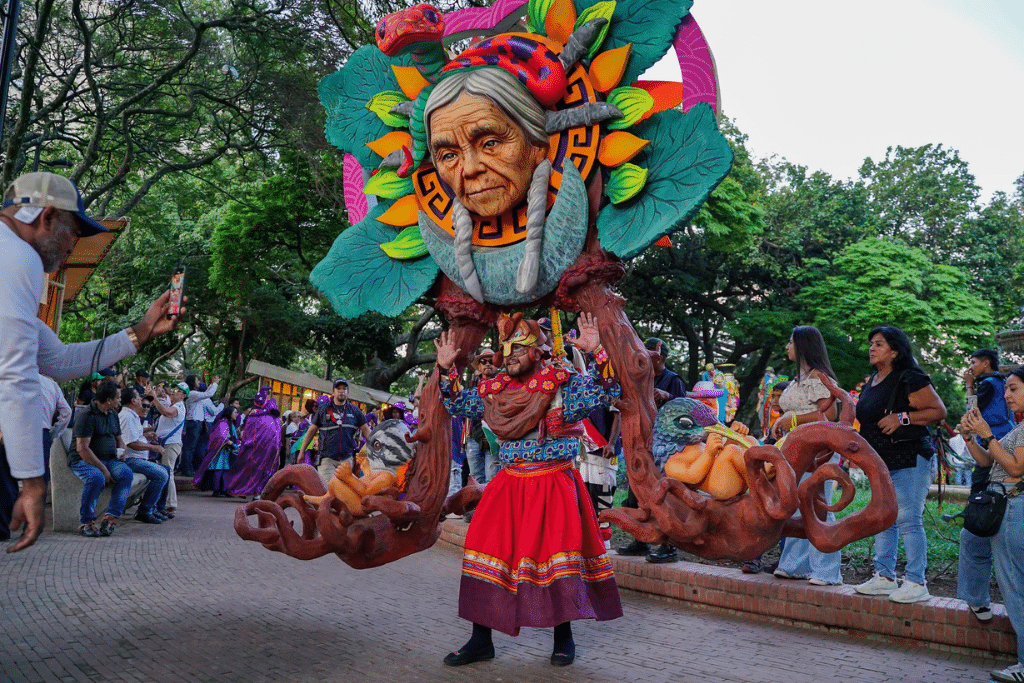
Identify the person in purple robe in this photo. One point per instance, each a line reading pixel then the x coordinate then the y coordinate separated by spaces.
pixel 257 457
pixel 221 450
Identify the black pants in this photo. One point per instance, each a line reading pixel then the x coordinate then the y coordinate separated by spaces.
pixel 8 494
pixel 9 486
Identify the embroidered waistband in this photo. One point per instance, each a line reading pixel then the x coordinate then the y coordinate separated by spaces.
pixel 535 469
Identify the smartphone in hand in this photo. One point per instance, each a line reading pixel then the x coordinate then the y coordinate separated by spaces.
pixel 177 290
pixel 972 402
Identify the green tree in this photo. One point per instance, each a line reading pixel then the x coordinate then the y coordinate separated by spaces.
pixel 922 195
pixel 885 282
pixel 995 241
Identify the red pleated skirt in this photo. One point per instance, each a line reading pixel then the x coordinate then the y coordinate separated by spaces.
pixel 533 554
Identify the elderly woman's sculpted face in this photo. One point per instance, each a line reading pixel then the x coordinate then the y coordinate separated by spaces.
pixel 482 154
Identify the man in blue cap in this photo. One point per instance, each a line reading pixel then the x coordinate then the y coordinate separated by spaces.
pixel 42 217
pixel 337 422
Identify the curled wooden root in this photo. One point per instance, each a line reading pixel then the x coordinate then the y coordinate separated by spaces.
pixel 399 524
pixel 463 500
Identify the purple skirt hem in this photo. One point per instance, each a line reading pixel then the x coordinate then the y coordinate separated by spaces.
pixel 532 606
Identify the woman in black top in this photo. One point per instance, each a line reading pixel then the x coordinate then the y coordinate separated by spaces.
pixel 896 406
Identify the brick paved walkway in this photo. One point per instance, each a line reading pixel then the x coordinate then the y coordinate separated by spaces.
pixel 189 601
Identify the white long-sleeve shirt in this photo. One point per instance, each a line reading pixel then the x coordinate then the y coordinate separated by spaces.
pixel 210 411
pixel 54 402
pixel 28 347
pixel 193 407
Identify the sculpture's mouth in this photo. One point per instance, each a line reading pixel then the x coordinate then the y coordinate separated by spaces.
pixel 484 189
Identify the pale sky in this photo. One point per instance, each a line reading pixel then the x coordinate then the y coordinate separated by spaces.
pixel 826 83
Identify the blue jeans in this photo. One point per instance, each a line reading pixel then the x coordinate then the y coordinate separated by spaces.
pixel 157 475
pixel 974 569
pixel 189 442
pixel 800 558
pixel 1008 552
pixel 483 465
pixel 911 491
pixel 94 483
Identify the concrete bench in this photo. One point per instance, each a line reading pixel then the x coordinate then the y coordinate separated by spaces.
pixel 66 490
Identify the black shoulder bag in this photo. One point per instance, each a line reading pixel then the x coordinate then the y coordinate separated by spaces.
pixel 984 512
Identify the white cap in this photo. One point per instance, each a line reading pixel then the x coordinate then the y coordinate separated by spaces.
pixel 42 189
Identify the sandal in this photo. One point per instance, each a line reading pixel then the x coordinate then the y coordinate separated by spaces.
pixel 107 525
pixel 88 530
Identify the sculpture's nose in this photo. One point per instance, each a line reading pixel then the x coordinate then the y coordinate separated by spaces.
pixel 472 164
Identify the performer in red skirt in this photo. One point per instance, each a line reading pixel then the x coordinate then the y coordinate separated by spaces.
pixel 534 556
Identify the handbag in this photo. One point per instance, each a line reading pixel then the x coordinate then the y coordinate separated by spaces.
pixel 984 512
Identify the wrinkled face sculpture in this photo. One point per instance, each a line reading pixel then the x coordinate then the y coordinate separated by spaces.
pixel 482 154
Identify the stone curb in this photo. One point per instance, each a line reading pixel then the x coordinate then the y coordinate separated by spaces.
pixel 939 621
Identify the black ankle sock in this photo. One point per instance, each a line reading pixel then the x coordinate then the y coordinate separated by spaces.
pixel 480 640
pixel 564 643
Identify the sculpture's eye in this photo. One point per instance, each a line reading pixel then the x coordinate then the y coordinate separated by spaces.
pixel 381 29
pixel 430 15
pixel 685 422
pixel 377 445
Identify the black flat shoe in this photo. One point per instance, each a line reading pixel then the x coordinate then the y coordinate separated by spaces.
pixel 634 549
pixel 461 657
pixel 147 518
pixel 562 658
pixel 664 553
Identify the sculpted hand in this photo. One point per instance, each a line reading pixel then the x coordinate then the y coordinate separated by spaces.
pixel 655 352
pixel 447 353
pixel 589 338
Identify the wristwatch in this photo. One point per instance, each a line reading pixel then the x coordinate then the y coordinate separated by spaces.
pixel 986 440
pixel 904 419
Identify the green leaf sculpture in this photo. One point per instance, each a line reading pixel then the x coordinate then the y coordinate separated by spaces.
pixel 649 24
pixel 408 245
pixel 344 94
pixel 624 182
pixel 357 276
pixel 632 102
pixel 600 10
pixel 387 185
pixel 536 10
pixel 688 157
pixel 381 105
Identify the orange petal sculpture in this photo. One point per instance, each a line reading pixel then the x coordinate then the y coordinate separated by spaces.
pixel 618 147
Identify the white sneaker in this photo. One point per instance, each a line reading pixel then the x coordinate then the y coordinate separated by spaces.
pixel 1011 674
pixel 984 613
pixel 910 592
pixel 783 574
pixel 878 585
pixel 822 582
